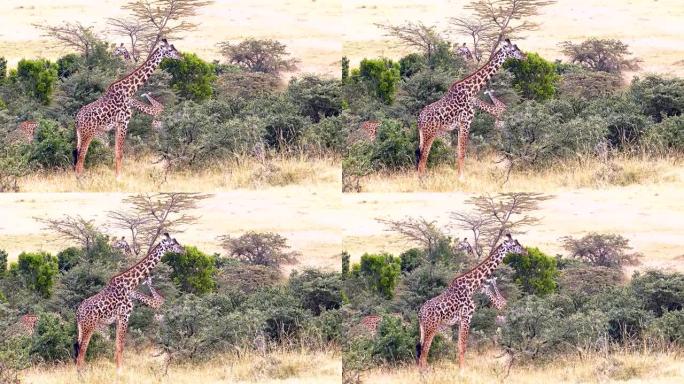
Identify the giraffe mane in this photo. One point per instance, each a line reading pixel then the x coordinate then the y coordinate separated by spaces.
pixel 491 59
pixel 142 260
pixel 478 265
pixel 133 71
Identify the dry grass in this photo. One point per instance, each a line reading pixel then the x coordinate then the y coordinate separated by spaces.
pixel 306 216
pixel 142 368
pixel 485 174
pixel 143 175
pixel 648 367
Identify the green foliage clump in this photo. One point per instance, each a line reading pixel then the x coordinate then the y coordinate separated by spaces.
pixel 68 258
pixel 381 272
pixel 3 262
pixel 669 327
pixel 266 249
pixel 668 135
pixel 191 77
pixel 535 272
pixel 660 292
pixel 53 339
pixel 534 78
pixel 37 77
pixel 192 271
pixel 623 117
pixel 316 97
pixel 604 250
pixel 317 291
pixel 38 271
pixel 381 75
pixel 658 96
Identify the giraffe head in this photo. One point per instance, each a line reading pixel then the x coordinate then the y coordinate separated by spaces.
pixel 169 244
pixel 511 245
pixel 510 50
pixel 168 50
pixel 120 51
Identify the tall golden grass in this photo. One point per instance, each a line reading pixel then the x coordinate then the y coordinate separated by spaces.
pixel 142 367
pixel 142 174
pixel 485 174
pixel 620 367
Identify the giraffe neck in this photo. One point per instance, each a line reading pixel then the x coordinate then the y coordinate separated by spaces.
pixel 133 81
pixel 476 276
pixel 132 277
pixel 473 83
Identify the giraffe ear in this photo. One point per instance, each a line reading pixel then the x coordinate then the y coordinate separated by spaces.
pixel 165 41
pixel 166 234
pixel 508 41
pixel 508 235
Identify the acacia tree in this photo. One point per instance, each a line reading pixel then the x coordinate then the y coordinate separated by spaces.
pixel 267 56
pixel 163 19
pixel 494 20
pixel 605 55
pixel 419 36
pixel 151 215
pixel 74 36
pixel 267 249
pixel 132 29
pixel 73 228
pixel 608 250
pixel 492 217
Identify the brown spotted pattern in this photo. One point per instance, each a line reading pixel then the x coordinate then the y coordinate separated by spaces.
pixel 114 303
pixel 455 110
pixel 456 306
pixel 27 129
pixel 112 111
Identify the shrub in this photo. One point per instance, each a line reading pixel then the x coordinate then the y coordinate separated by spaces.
pixel 607 55
pixel 659 97
pixel 38 77
pixel 421 89
pixel 581 282
pixel 625 315
pixel 3 262
pixel 394 343
pixel 283 126
pixel 411 259
pixel 53 339
pixel 316 97
pixel 267 249
pixel 52 148
pixel 382 76
pixel 535 272
pixel 328 135
pixel 192 271
pixel 667 135
pixel 411 64
pixel 37 270
pixel 267 56
pixel 191 77
pixel 13 165
pixel 246 278
pixel 282 316
pixel 68 258
pixel 608 250
pixel 659 291
pixel 381 272
pixel 669 327
pixel 587 84
pixel 317 291
pixel 623 117
pixel 534 78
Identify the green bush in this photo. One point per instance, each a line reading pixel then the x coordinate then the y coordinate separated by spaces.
pixel 52 147
pixel 535 272
pixel 625 315
pixel 68 258
pixel 328 135
pixel 534 78
pixel 581 282
pixel 659 291
pixel 381 75
pixel 317 291
pixel 53 339
pixel 37 270
pixel 3 262
pixel 411 259
pixel 669 327
pixel 191 77
pixel 603 250
pixel 381 272
pixel 317 98
pixel 623 117
pixel 192 271
pixel 659 97
pixel 411 64
pixel 667 135
pixel 38 77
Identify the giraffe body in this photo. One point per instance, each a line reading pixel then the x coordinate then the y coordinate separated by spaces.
pixel 123 52
pixel 27 129
pixel 455 110
pixel 114 303
pixel 456 306
pixel 112 111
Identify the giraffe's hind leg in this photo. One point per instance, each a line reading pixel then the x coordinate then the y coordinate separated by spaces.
pixel 81 346
pixel 425 152
pixel 121 328
pixel 81 152
pixel 429 334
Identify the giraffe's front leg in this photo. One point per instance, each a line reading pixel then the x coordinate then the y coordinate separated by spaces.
pixel 121 328
pixel 463 132
pixel 463 329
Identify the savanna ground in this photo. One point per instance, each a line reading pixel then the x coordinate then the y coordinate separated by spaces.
pixel 305 216
pixel 143 368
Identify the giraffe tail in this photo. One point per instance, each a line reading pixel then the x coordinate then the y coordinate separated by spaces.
pixel 419 344
pixel 420 145
pixel 77 344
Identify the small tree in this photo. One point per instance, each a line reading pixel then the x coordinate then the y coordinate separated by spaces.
pixel 534 78
pixel 608 250
pixel 37 270
pixel 535 273
pixel 606 55
pixel 134 30
pixel 3 69
pixel 38 77
pixel 192 271
pixel 74 36
pixel 269 249
pixel 3 262
pixel 73 229
pixel 382 75
pixel 345 69
pixel 268 56
pixel 381 272
pixel 191 77
pixel 418 36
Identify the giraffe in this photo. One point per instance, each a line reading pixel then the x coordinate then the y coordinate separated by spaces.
pixel 456 305
pixel 465 247
pixel 123 52
pixel 115 301
pixel 113 110
pixel 370 128
pixel 496 109
pixel 28 323
pixel 27 129
pixel 455 109
pixel 154 109
pixel 122 245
